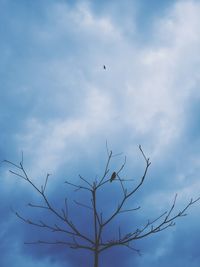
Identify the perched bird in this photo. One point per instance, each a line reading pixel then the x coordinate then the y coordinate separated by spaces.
pixel 113 176
pixel 104 67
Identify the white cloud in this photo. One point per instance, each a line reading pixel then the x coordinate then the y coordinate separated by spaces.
pixel 48 142
pixel 144 90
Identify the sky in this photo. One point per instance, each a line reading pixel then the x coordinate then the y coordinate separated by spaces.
pixel 60 107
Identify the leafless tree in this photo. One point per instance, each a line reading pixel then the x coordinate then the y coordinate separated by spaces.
pixel 76 238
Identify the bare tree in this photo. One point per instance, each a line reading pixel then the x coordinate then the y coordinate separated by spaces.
pixel 77 239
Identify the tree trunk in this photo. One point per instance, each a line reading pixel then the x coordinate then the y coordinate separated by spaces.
pixel 96 259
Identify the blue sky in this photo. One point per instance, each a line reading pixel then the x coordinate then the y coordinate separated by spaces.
pixel 59 106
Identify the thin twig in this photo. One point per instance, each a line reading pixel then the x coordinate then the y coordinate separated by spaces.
pixel 82 205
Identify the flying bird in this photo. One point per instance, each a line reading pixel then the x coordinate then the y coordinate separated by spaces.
pixel 104 67
pixel 113 176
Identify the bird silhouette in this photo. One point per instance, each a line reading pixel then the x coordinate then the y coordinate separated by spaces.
pixel 113 176
pixel 104 67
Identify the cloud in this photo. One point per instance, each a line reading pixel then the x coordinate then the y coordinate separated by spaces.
pixel 61 106
pixel 159 71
